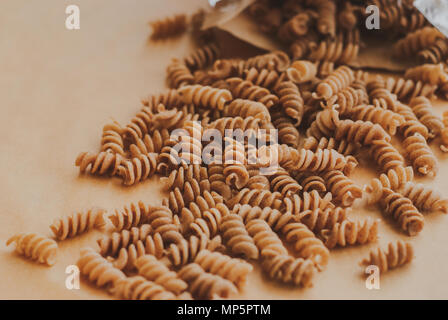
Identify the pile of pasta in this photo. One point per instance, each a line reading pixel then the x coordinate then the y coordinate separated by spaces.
pixel 220 218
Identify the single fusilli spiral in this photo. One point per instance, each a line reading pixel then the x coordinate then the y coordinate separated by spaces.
pixel 202 57
pixel 154 270
pixel 263 77
pixel 334 83
pixel 112 138
pixel 236 238
pixel 247 108
pixel 205 285
pixel 78 223
pixel 126 257
pixel 325 124
pixel 343 189
pixel 97 269
pixel 302 71
pixel 402 211
pixel 406 89
pixel 287 269
pixel 291 100
pixel 267 241
pixel 186 251
pixel 411 125
pixel 103 163
pixel 424 198
pixel 282 182
pixel 420 154
pixel 245 89
pixel 310 182
pixel 256 197
pixel 234 270
pixel 35 247
pixel 138 288
pixel 110 245
pixel 341 146
pixel 138 168
pixel 318 219
pixel 349 233
pixel 169 27
pixel 398 254
pixel 386 155
pixel 307 201
pixel 178 74
pixel 364 132
pixel 422 108
pixel 387 119
pixel 205 96
pixel 287 132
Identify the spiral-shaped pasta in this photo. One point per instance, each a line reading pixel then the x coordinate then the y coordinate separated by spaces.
pixel 126 257
pixel 202 57
pixel 235 172
pixel 204 285
pixel 291 100
pixel 256 197
pixel 338 80
pixel 325 124
pixel 178 74
pixel 344 190
pixel 341 146
pixel 364 132
pixel 112 139
pixel 433 74
pixel 435 53
pixel 234 123
pixel 234 270
pixel 406 89
pixel 295 27
pixel 283 183
pixel 138 288
pixel 303 160
pixel 78 223
pixel 275 60
pixel 287 269
pixel 247 108
pixel 186 251
pixel 110 245
pixel 305 243
pixel 347 99
pixel 422 108
pixel 387 119
pixel 263 77
pixel 244 89
pixel 156 271
pixel 398 254
pixel 310 182
pixel 149 143
pixel 351 232
pixel 210 222
pixel 308 201
pixel 287 132
pixel 169 27
pixel 178 178
pixel 138 169
pixel 236 238
pixel 421 156
pixel 416 41
pixel 342 49
pixel 103 163
pixel 97 269
pixel 318 219
pixel 302 71
pixel 424 198
pixel 386 155
pixel 267 241
pixel 402 211
pixel 205 96
pixel 35 247
pixel 411 125
pixel 217 180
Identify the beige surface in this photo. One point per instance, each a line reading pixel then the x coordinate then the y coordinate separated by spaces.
pixel 57 89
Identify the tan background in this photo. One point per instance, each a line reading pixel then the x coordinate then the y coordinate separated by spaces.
pixel 59 87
